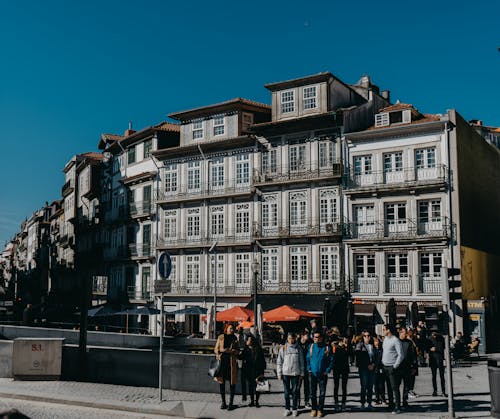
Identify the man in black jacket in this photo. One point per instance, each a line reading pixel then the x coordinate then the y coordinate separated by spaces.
pixel 435 346
pixel 409 364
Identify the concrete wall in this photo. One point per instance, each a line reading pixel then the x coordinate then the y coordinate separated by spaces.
pixel 6 352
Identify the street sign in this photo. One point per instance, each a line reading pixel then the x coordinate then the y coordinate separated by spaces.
pixel 165 265
pixel 162 285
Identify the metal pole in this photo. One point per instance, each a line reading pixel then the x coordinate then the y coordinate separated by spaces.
pixel 449 374
pixel 160 355
pixel 215 297
pixel 255 305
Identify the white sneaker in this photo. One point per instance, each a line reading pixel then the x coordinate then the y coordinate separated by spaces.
pixel 295 413
pixel 287 412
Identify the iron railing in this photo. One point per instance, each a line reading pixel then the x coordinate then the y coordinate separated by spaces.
pixel 203 238
pixel 137 293
pixel 204 191
pixel 310 170
pixel 141 250
pixel 366 284
pixel 141 209
pixel 305 227
pixel 398 284
pixel 429 284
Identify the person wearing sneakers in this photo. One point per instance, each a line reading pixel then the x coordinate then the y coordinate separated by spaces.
pixel 319 365
pixel 365 358
pixel 392 356
pixel 290 366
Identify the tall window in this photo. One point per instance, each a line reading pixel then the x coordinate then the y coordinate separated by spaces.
pixel 146 281
pixel 270 161
pixel 270 211
pixel 364 265
pixel 193 176
pixel 298 209
pixel 328 264
pixel 297 157
pixel 218 125
pixel 270 279
pixel 217 221
pixel 395 213
pixel 242 219
pixel 364 215
pixel 393 162
pixel 430 264
pixel 220 269
pixel 242 169
pixel 425 158
pixel 170 178
pixel 192 271
pixel 397 265
pixel 193 223
pixel 287 101
pixel 429 211
pixel 146 239
pixel 217 173
pixel 131 155
pixel 326 154
pixel 197 130
pixel 173 272
pixel 170 230
pixel 309 96
pixel 327 206
pixel 242 270
pixel 148 147
pixel 299 259
pixel 362 165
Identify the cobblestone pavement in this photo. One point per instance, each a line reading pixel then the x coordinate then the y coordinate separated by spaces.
pixel 470 384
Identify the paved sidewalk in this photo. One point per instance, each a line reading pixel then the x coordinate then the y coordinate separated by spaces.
pixel 470 383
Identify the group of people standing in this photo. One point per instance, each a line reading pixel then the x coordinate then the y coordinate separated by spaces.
pixel 306 360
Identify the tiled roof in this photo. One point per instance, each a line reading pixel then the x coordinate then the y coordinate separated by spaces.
pixel 225 104
pixel 93 155
pixel 168 126
pixel 397 107
pixel 112 137
pixel 140 176
pixel 425 118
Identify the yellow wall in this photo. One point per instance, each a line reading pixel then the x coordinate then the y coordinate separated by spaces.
pixel 480 273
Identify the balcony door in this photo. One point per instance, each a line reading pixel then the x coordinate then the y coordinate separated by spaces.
pixel 365 279
pixel 395 216
pixel 146 239
pixel 364 220
pixel 146 198
pixel 393 167
pixel 270 264
pixel 429 217
pixel 397 277
pixel 297 157
pixel 298 212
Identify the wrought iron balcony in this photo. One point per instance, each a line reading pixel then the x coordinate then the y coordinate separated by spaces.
pixel 138 294
pixel 429 284
pixel 306 227
pixel 67 188
pixel 404 178
pixel 141 251
pixel 204 191
pixel 141 209
pixel 228 238
pixel 297 173
pixel 366 284
pixel 405 228
pixel 398 284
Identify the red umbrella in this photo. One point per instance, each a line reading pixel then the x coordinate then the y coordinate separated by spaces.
pixel 286 314
pixel 235 314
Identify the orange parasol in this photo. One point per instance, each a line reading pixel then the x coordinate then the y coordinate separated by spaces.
pixel 245 325
pixel 286 314
pixel 235 314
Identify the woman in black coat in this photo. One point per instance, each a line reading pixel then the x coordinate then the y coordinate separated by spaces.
pixel 380 377
pixel 253 367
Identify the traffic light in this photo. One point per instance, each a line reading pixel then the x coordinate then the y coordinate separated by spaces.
pixel 454 283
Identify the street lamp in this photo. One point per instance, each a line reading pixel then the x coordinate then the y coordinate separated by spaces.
pixel 255 268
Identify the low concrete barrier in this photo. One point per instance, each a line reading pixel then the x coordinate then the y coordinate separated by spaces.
pixel 6 353
pixel 37 358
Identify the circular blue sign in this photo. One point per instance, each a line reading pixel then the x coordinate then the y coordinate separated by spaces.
pixel 165 265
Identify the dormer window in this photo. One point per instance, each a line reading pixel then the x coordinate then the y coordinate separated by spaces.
pixel 393 118
pixel 247 120
pixel 288 101
pixel 197 130
pixel 219 125
pixel 309 96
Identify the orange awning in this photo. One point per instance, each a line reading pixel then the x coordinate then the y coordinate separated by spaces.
pixel 245 325
pixel 286 314
pixel 235 314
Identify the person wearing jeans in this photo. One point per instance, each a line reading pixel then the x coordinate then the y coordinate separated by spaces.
pixel 319 365
pixel 365 358
pixel 340 351
pixel 392 356
pixel 304 381
pixel 290 366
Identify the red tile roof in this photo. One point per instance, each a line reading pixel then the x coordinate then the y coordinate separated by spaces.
pixel 93 155
pixel 224 105
pixel 397 107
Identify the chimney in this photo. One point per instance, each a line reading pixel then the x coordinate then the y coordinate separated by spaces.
pixel 129 131
pixel 386 94
pixel 477 122
pixel 365 81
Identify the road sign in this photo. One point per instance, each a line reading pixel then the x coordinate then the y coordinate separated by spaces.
pixel 165 265
pixel 162 285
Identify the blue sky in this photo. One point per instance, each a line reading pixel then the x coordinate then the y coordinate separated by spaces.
pixel 73 70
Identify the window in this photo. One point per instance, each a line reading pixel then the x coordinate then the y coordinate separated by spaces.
pixel 362 165
pixel 220 269
pixel 193 176
pixel 395 213
pixel 270 211
pixel 430 265
pixel 218 125
pixel 269 161
pixel 287 101
pixel 299 259
pixel 193 223
pixel 309 95
pixel 170 227
pixel 298 209
pixel 242 270
pixel 326 154
pixel 393 162
pixel 328 264
pixel 173 272
pixel 247 120
pixel 364 265
pixel 197 130
pixel 217 173
pixel 146 280
pixel 397 265
pixel 429 211
pixel 382 119
pixel 217 221
pixel 270 279
pixel 242 169
pixel 131 155
pixel 170 178
pixel 242 219
pixel 148 147
pixel 327 206
pixel 192 271
pixel 425 158
pixel 297 157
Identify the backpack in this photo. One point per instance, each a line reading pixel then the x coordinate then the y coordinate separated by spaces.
pixel 327 351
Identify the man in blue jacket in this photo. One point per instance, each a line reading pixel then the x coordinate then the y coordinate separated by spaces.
pixel 319 365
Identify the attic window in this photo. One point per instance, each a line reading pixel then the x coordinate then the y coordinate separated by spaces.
pixel 390 118
pixel 247 121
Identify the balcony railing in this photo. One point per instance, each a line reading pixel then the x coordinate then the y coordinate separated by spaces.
pixel 366 284
pixel 230 237
pixel 204 191
pixel 141 250
pixel 307 227
pixel 136 293
pixel 399 229
pixel 297 173
pixel 100 285
pixel 141 209
pixel 398 284
pixel 114 253
pixel 429 284
pixel 117 214
pixel 397 178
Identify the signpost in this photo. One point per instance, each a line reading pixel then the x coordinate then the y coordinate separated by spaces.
pixel 160 287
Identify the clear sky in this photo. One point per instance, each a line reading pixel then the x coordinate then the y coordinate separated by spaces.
pixel 71 70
